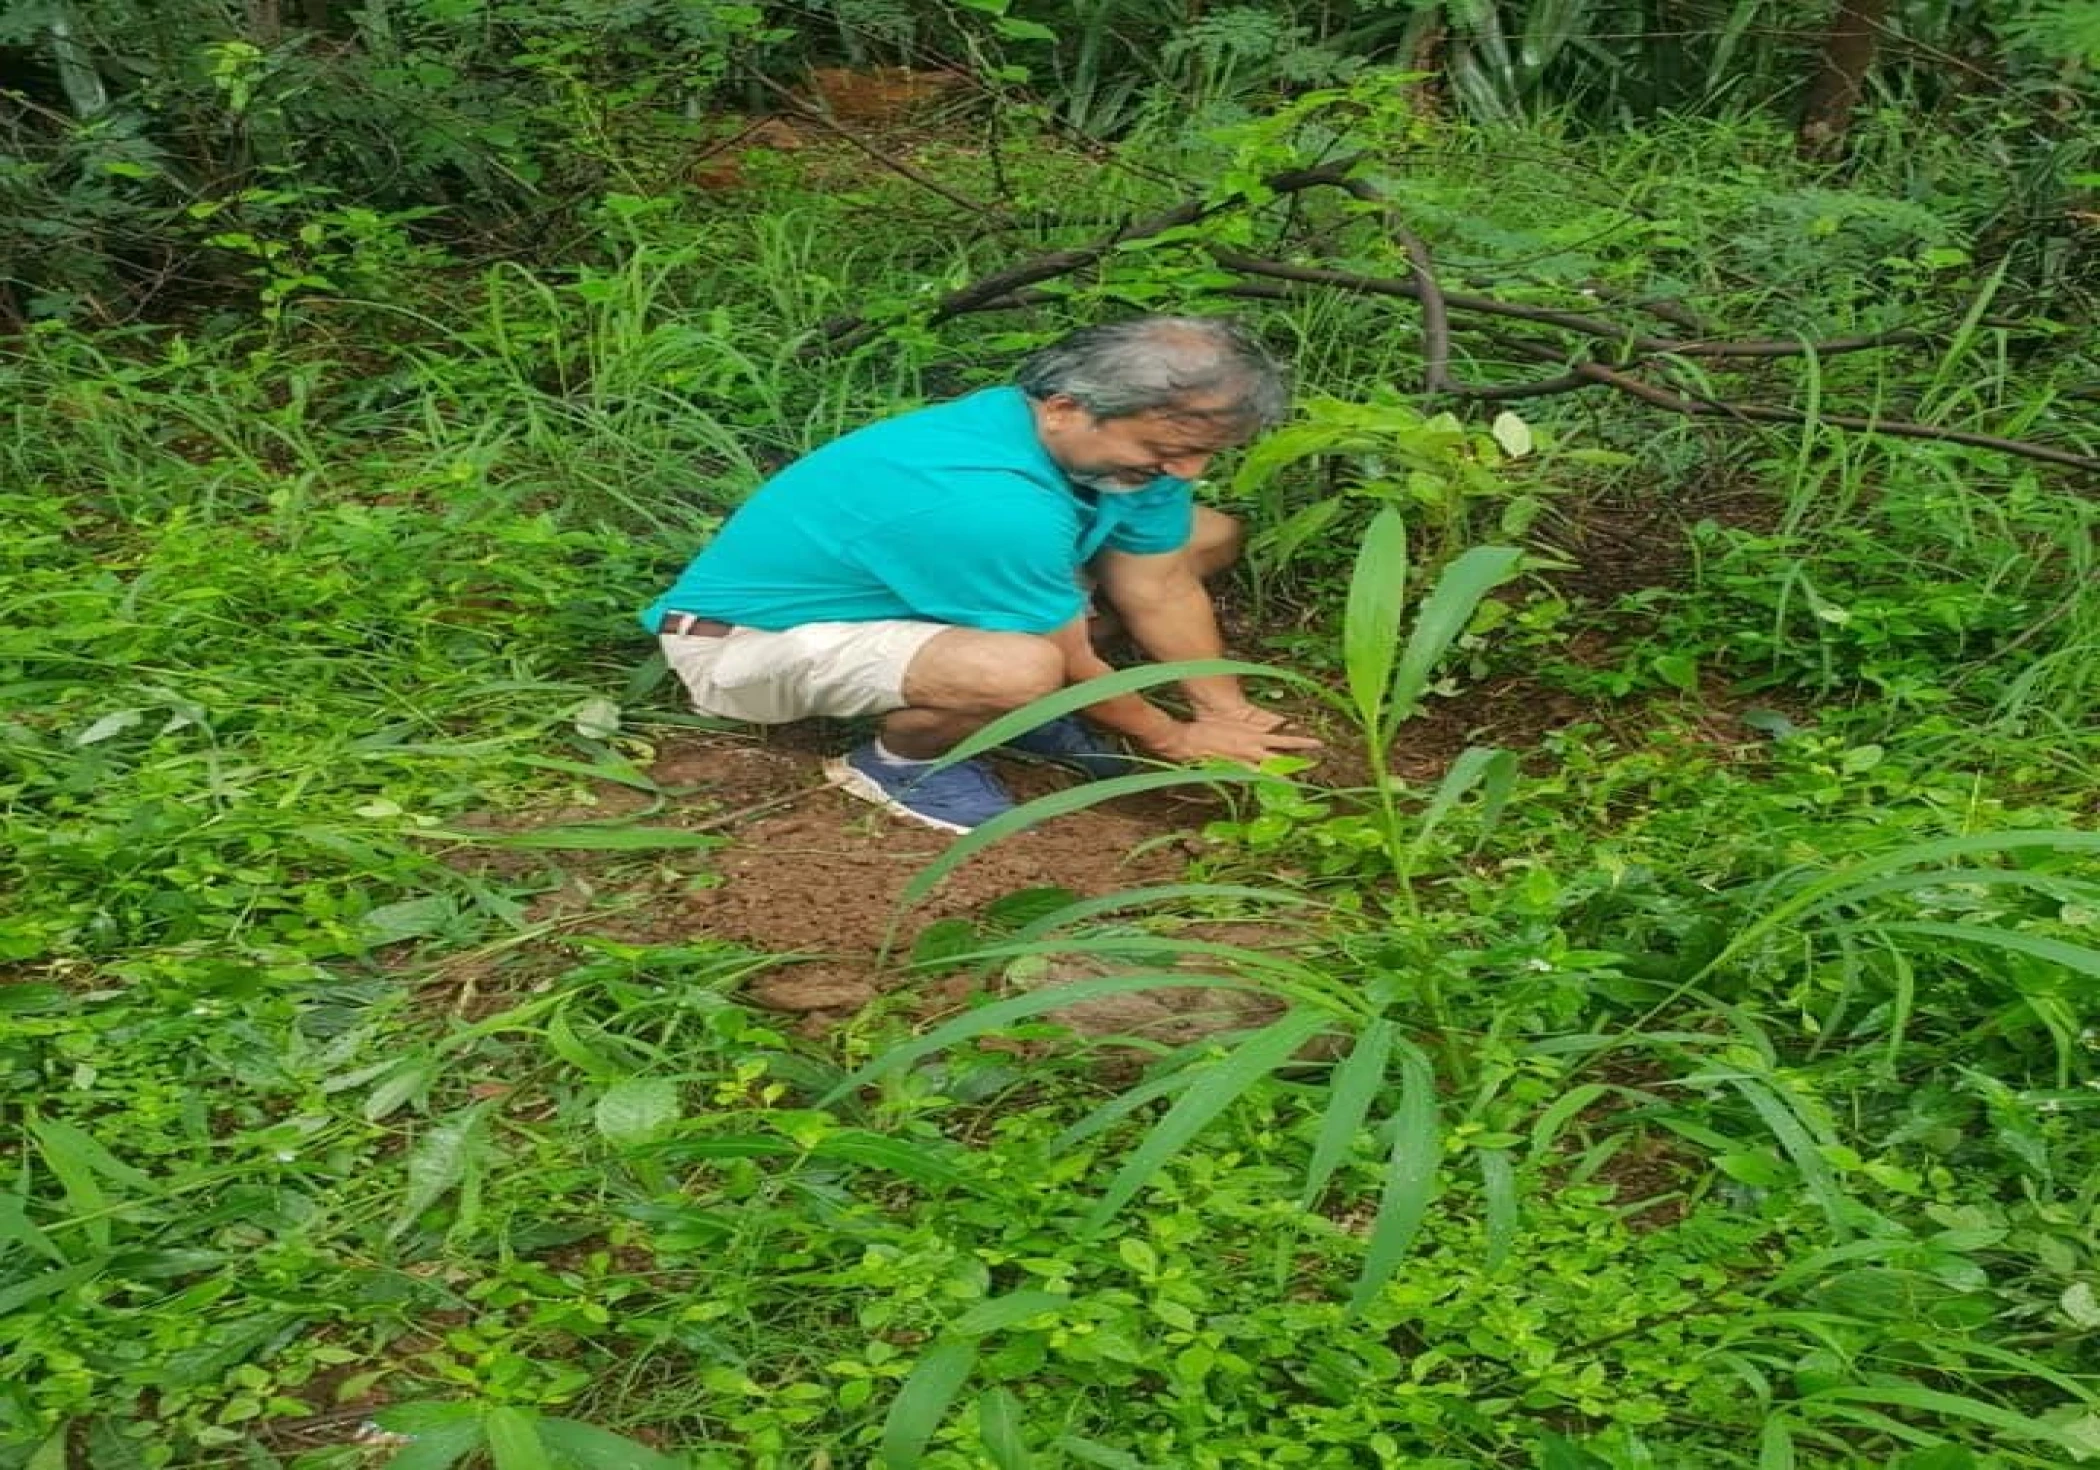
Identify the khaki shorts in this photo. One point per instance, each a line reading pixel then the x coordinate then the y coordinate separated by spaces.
pixel 839 670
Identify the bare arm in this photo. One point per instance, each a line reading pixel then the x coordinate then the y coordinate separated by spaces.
pixel 1170 616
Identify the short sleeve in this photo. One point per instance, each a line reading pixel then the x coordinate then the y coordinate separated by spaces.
pixel 1158 518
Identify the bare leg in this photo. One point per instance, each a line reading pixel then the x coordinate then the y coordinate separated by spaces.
pixel 1214 545
pixel 1214 541
pixel 963 679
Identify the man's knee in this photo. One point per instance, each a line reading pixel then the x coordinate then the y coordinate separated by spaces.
pixel 1215 541
pixel 966 669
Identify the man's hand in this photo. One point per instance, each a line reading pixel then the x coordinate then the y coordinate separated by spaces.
pixel 1240 740
pixel 1242 712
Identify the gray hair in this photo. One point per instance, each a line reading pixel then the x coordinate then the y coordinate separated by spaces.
pixel 1168 363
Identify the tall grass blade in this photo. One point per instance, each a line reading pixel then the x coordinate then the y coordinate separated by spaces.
pixel 922 1403
pixel 600 1449
pixel 2056 951
pixel 999 1430
pixel 514 1439
pixel 1107 686
pixel 1058 804
pixel 1794 1138
pixel 1443 617
pixel 1953 1405
pixel 1219 1084
pixel 1499 1209
pixel 1546 1128
pixel 1410 1177
pixel 1494 771
pixel 1351 1091
pixel 1775 1444
pixel 1002 1312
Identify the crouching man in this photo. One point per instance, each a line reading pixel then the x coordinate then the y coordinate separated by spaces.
pixel 931 570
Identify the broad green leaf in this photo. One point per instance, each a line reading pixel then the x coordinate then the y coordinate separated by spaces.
pixel 617 772
pixel 1217 1084
pixel 1411 1175
pixel 1371 621
pixel 1002 1312
pixel 438 1448
pixel 16 1228
pixel 1092 1452
pixel 440 1434
pixel 79 1164
pixel 61 1140
pixel 637 1110
pixel 916 1159
pixel 25 1290
pixel 439 1163
pixel 412 918
pixel 114 723
pixel 1775 1446
pixel 1350 1093
pixel 1512 434
pixel 922 1403
pixel 1495 771
pixel 587 1447
pixel 1443 617
pixel 1549 1123
pixel 514 1439
pixel 999 1429
pixel 52 1454
pixel 565 1042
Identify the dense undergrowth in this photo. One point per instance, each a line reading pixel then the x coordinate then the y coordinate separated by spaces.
pixel 1682 1100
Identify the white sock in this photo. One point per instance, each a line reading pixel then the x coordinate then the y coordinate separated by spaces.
pixel 890 757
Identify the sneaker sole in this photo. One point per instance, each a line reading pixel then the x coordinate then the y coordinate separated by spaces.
pixel 840 773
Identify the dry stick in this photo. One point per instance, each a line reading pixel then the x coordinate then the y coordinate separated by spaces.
pixel 1007 288
pixel 1572 321
pixel 978 295
pixel 1436 316
pixel 1692 406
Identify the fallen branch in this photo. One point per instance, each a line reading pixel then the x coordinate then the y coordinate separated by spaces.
pixel 850 331
pixel 1694 406
pixel 1014 287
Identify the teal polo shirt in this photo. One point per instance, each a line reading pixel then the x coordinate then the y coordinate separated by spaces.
pixel 951 514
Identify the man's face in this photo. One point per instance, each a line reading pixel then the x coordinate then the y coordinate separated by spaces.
pixel 1123 454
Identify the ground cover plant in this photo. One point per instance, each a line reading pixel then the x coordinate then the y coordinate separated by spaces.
pixel 1705 1076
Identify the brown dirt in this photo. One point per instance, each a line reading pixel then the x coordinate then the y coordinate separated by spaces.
pixel 814 876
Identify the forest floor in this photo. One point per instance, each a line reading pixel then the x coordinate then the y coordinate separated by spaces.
pixel 815 878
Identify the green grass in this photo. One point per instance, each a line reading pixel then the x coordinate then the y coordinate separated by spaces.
pixel 1658 1097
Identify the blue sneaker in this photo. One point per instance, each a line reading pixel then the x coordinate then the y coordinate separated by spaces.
pixel 954 798
pixel 1066 741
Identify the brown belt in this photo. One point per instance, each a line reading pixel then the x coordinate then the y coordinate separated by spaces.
pixel 686 625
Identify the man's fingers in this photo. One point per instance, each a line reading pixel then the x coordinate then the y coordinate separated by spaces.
pixel 1291 742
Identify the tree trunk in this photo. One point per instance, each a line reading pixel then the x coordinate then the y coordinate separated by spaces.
pixel 1841 74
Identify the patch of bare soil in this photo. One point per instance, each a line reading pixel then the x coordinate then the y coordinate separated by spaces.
pixel 812 875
